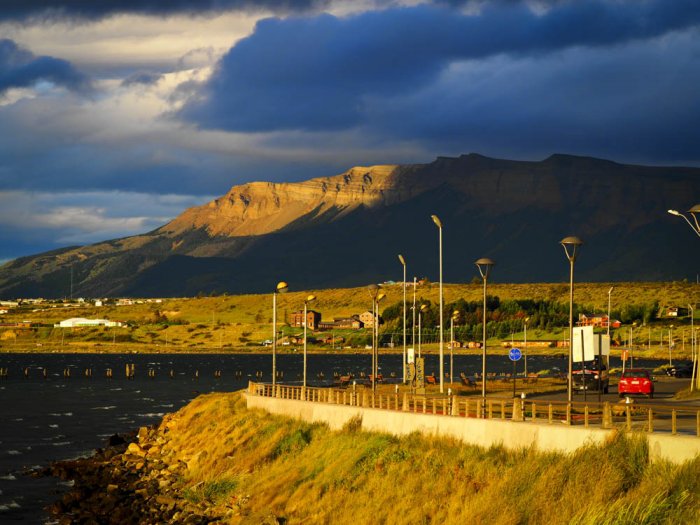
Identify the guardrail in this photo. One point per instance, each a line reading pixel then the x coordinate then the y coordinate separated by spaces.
pixel 676 419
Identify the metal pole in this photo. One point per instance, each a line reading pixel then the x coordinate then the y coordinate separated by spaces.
pixel 569 395
pixel 525 347
pixel 420 332
pixel 413 335
pixel 374 342
pixel 483 350
pixel 609 292
pixel 404 323
pixel 274 341
pixel 452 344
pixel 305 323
pixel 442 363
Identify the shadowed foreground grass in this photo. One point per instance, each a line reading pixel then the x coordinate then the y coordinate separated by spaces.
pixel 263 465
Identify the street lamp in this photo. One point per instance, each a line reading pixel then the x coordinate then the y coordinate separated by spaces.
pixel 453 318
pixel 525 342
pixel 308 299
pixel 403 263
pixel 693 211
pixel 376 297
pixel 484 265
pixel 670 344
pixel 280 288
pixel 609 292
pixel 571 245
pixel 692 347
pixel 438 223
pixel 422 309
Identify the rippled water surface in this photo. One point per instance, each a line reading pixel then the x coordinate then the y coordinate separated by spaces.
pixel 46 419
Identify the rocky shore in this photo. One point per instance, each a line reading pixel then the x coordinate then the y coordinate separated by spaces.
pixel 138 478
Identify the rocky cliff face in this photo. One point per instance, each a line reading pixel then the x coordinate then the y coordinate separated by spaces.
pixel 346 230
pixel 258 208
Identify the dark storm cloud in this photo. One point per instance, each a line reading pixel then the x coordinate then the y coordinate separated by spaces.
pixel 96 9
pixel 146 78
pixel 317 73
pixel 20 68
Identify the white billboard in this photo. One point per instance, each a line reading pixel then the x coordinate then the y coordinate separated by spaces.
pixel 588 344
pixel 583 344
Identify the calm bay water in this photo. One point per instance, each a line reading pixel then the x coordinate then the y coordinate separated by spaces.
pixel 47 419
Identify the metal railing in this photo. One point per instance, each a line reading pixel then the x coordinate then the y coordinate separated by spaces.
pixel 675 420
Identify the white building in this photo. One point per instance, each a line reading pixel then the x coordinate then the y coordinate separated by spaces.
pixel 81 321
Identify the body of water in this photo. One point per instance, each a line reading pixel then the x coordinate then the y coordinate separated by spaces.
pixel 46 416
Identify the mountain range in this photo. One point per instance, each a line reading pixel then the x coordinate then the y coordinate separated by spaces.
pixel 347 230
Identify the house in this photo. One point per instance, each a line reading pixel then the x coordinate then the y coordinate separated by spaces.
pixel 676 311
pixel 352 322
pixel 75 322
pixel 313 318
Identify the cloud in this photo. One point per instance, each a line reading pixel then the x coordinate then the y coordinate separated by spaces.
pixel 316 73
pixel 92 10
pixel 146 78
pixel 20 68
pixel 52 220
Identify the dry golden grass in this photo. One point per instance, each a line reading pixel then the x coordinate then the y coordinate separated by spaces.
pixel 230 322
pixel 266 465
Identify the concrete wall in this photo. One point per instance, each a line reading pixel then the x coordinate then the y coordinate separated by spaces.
pixel 482 432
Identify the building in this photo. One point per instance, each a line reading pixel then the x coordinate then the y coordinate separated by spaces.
pixel 75 322
pixel 313 319
pixel 596 320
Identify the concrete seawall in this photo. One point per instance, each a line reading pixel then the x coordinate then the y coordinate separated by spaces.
pixel 482 432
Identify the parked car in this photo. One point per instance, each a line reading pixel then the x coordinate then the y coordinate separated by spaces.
pixel 589 379
pixel 680 371
pixel 636 381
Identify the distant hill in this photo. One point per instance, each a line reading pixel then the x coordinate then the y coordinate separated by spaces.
pixel 347 229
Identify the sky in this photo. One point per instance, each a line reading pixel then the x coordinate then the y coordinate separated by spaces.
pixel 117 115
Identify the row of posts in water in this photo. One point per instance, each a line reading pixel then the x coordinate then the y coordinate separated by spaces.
pixel 151 372
pixel 130 371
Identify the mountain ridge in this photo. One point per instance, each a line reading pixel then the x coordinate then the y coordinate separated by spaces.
pixel 347 229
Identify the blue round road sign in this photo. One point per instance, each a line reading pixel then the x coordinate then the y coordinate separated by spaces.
pixel 515 354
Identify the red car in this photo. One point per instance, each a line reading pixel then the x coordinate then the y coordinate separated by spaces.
pixel 636 381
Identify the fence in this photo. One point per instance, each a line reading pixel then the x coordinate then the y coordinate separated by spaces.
pixel 674 420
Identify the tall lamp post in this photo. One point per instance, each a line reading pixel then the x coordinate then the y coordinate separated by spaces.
pixel 692 347
pixel 453 318
pixel 376 297
pixel 422 309
pixel 609 293
pixel 693 212
pixel 670 344
pixel 403 263
pixel 438 223
pixel 280 288
pixel 525 343
pixel 571 246
pixel 308 299
pixel 484 265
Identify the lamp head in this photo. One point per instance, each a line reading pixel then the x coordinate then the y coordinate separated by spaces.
pixel 373 290
pixel 403 261
pixel 484 265
pixel 611 289
pixel 436 220
pixel 423 307
pixel 310 298
pixel 571 243
pixel 674 212
pixel 695 209
pixel 381 296
pixel 281 287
